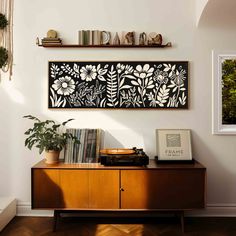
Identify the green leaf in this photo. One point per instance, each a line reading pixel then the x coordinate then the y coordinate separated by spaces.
pixel 65 122
pixel 46 135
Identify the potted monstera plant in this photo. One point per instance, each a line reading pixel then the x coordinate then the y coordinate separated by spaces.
pixel 48 136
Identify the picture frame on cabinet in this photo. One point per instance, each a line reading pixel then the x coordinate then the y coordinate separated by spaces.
pixel 173 145
pixel 224 92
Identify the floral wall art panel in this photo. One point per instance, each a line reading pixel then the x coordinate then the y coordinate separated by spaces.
pixel 114 84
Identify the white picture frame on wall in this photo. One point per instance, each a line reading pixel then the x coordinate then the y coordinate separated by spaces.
pixel 219 124
pixel 173 145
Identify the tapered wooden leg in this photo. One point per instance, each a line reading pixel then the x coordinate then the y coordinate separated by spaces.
pixel 182 220
pixel 55 218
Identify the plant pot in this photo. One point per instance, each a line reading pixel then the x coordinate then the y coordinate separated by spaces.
pixel 52 157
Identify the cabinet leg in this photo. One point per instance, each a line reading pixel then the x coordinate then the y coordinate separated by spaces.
pixel 55 220
pixel 182 220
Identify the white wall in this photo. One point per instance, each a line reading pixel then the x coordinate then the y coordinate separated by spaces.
pixel 27 92
pixel 200 5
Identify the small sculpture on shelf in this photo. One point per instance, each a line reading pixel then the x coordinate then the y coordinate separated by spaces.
pixel 129 38
pixel 116 40
pixel 142 38
pixel 105 37
pixel 155 39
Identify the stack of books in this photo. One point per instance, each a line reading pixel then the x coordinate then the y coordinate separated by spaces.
pixel 51 41
pixel 88 149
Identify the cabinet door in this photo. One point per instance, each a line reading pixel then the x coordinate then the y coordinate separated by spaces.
pixel 104 189
pixel 46 192
pixel 74 188
pixel 162 189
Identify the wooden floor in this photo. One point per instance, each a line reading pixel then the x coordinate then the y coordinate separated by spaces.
pixel 42 226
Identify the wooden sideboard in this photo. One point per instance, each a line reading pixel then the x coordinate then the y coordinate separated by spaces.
pixel 159 187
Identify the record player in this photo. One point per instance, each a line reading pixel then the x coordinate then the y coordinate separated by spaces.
pixel 123 157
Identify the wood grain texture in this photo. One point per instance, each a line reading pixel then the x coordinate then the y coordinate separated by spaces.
pixel 171 189
pixel 98 166
pixel 46 192
pixel 156 187
pixel 74 187
pixel 104 189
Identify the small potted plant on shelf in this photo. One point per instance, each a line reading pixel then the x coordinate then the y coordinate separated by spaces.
pixel 48 136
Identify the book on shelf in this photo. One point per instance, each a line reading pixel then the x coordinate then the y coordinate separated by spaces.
pixel 87 151
pixel 51 41
pixel 96 34
pixel 89 37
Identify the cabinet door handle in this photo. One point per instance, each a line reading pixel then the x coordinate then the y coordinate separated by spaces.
pixel 121 189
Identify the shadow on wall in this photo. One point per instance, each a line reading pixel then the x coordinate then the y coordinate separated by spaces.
pixel 138 126
pixel 111 142
pixel 220 180
pixel 6 149
pixel 218 14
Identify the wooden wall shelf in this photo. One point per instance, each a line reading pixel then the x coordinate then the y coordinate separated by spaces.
pixel 105 46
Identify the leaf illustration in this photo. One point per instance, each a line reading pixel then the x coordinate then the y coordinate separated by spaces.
pixel 57 102
pixel 76 68
pixel 54 70
pixel 134 82
pixel 101 72
pixel 172 84
pixel 64 103
pixel 126 86
pixel 182 99
pixel 163 95
pixel 112 87
pixel 150 84
pixel 146 81
pixel 122 82
pixel 103 102
pixel 129 76
pixel 52 100
pixel 140 81
pixel 171 102
pixel 139 90
pixel 175 89
pixel 144 92
pixel 73 72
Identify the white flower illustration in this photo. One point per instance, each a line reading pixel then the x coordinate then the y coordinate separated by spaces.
pixel 120 67
pixel 178 77
pixel 144 72
pixel 88 73
pixel 161 76
pixel 64 85
pixel 128 69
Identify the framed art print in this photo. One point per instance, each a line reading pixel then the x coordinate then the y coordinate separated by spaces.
pixel 118 84
pixel 173 145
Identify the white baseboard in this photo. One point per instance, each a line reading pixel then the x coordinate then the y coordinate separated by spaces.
pixel 215 210
pixel 212 210
pixel 24 209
